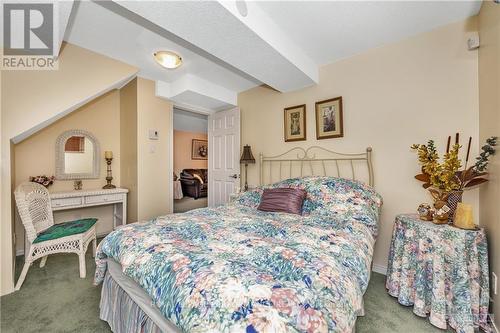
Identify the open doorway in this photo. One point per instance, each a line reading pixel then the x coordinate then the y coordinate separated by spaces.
pixel 190 143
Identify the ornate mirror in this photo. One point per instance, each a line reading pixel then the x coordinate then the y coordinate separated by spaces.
pixel 77 155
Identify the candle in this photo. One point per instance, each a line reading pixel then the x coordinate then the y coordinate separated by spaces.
pixel 456 138
pixel 108 154
pixel 463 216
pixel 448 144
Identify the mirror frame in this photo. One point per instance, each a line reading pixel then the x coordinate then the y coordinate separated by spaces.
pixel 60 161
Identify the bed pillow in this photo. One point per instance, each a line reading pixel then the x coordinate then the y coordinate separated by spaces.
pixel 287 200
pixel 325 195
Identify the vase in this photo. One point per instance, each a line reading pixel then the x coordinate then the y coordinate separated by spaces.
pixel 453 199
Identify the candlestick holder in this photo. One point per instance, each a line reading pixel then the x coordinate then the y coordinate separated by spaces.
pixel 109 174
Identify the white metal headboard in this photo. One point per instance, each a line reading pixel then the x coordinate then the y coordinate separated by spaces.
pixel 315 161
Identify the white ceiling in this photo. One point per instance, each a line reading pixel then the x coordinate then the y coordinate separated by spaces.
pixel 189 121
pixel 229 46
pixel 331 30
pixel 106 32
pixel 98 28
pixel 250 42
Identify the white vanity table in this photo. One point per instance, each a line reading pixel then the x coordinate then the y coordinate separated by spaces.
pixel 80 199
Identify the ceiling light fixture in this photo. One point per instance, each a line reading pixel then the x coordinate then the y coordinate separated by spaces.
pixel 168 59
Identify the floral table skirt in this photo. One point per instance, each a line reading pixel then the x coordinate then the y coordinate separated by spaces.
pixel 442 271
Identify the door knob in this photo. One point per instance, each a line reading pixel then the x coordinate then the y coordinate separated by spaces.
pixel 235 176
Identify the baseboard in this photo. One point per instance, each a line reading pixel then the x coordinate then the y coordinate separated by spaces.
pixel 379 269
pixel 495 328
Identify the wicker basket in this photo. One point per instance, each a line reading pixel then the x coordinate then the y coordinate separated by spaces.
pixel 453 199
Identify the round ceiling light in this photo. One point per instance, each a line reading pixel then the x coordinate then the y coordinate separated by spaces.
pixel 168 59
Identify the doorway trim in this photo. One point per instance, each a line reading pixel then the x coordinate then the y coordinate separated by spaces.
pixel 181 107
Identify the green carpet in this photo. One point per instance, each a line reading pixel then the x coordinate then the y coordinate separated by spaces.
pixel 55 299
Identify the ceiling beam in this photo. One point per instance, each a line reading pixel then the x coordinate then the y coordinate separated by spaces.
pixel 258 21
pixel 193 84
pixel 63 11
pixel 251 42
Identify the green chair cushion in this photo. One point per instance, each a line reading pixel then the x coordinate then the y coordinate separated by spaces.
pixel 65 229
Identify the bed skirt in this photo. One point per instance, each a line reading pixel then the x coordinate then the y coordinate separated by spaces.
pixel 121 313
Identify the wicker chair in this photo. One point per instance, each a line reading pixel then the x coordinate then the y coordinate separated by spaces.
pixel 43 236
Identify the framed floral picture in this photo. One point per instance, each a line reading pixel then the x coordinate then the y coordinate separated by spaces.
pixel 295 123
pixel 329 122
pixel 199 149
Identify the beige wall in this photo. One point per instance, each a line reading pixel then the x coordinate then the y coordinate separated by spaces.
pixel 82 76
pixel 36 156
pixel 30 98
pixel 182 151
pixel 408 92
pixel 115 119
pixel 146 163
pixel 489 125
pixel 120 120
pixel 154 157
pixel 128 147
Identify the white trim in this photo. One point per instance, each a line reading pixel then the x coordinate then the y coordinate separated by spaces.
pixel 170 183
pixel 495 328
pixel 379 269
pixel 81 193
pixel 190 107
pixel 124 82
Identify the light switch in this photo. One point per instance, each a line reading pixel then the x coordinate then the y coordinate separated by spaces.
pixel 153 134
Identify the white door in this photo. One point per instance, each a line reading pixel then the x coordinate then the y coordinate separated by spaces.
pixel 223 155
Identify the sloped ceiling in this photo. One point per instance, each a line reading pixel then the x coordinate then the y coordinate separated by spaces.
pixel 36 99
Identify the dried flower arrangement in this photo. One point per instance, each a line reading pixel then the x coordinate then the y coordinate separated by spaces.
pixel 445 180
pixel 43 180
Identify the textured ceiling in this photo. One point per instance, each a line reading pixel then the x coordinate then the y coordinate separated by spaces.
pixel 331 30
pixel 229 46
pixel 251 43
pixel 106 32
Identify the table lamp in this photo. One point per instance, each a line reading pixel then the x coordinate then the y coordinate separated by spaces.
pixel 247 158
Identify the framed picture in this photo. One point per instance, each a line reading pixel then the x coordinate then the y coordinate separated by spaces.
pixel 329 123
pixel 199 149
pixel 295 123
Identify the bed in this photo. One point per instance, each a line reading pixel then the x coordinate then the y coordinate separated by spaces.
pixel 234 268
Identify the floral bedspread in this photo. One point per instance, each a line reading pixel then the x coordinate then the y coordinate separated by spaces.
pixel 442 271
pixel 237 269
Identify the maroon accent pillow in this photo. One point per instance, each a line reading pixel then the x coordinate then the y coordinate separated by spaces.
pixel 287 200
